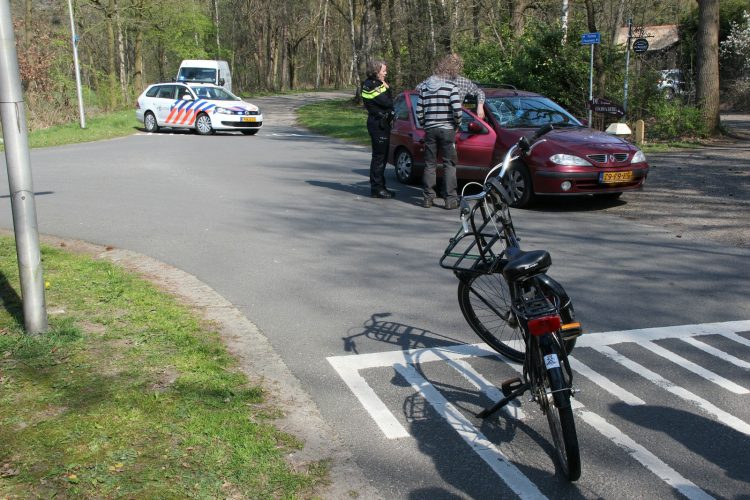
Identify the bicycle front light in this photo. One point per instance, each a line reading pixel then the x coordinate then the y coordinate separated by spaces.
pixel 544 325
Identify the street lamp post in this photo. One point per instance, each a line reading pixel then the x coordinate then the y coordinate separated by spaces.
pixel 75 62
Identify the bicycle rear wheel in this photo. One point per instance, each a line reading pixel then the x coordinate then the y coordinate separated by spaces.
pixel 560 418
pixel 485 303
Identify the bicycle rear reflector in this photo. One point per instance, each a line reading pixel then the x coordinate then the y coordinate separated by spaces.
pixel 544 325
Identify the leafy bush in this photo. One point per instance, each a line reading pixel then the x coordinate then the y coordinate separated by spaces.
pixel 737 96
pixel 672 120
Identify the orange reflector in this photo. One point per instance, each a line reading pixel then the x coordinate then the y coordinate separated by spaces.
pixel 570 326
pixel 544 325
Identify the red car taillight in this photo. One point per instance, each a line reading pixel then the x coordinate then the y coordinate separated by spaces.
pixel 544 325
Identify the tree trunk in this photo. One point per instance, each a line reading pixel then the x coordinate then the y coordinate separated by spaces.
pixel 517 11
pixel 707 85
pixel 138 62
pixel 111 55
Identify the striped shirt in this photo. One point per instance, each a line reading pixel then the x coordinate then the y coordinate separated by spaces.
pixel 438 104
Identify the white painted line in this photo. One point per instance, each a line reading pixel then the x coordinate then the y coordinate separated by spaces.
pixel 482 446
pixel 737 338
pixel 645 457
pixel 723 417
pixel 605 383
pixel 512 409
pixel 379 412
pixel 651 334
pixel 697 369
pixel 716 352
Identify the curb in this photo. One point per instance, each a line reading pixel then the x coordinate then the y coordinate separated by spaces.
pixel 257 360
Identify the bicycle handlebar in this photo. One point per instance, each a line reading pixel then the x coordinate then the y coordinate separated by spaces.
pixel 493 183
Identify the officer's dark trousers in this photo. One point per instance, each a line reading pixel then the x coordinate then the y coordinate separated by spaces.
pixel 380 139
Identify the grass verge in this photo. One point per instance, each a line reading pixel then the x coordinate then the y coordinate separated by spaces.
pixel 339 118
pixel 129 395
pixel 109 126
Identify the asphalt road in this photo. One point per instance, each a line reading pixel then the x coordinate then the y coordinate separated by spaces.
pixel 348 292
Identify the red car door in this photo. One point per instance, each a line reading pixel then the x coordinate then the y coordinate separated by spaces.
pixel 475 145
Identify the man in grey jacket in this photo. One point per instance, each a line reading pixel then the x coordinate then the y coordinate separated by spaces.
pixel 439 112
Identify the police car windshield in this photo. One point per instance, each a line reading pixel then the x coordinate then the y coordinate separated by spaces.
pixel 215 94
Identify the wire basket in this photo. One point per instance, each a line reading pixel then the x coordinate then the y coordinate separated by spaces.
pixel 480 242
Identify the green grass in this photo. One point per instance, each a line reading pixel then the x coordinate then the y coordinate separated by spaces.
pixel 339 118
pixel 129 395
pixel 117 124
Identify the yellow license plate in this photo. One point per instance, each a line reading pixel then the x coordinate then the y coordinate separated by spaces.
pixel 248 118
pixel 615 177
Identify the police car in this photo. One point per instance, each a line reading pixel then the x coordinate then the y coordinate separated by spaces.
pixel 203 107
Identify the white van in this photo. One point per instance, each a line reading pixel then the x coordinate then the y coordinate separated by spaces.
pixel 205 71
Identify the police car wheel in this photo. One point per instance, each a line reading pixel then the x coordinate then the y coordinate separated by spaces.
pixel 203 125
pixel 149 122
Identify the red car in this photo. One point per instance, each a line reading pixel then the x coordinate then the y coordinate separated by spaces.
pixel 572 160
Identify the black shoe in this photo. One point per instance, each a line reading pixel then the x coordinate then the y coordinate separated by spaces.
pixel 451 205
pixel 427 203
pixel 383 193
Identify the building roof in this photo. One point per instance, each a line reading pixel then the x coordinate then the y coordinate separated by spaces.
pixel 659 37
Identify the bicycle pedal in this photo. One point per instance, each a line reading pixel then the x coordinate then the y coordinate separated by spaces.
pixel 571 330
pixel 510 385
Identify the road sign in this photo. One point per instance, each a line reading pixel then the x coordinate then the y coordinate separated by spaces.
pixel 601 105
pixel 591 38
pixel 640 45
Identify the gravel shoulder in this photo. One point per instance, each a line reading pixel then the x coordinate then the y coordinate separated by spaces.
pixel 701 194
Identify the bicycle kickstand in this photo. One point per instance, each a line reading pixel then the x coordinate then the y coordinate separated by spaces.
pixel 511 389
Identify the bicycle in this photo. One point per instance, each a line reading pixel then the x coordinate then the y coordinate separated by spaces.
pixel 515 307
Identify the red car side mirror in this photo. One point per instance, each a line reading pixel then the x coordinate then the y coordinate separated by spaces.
pixel 476 128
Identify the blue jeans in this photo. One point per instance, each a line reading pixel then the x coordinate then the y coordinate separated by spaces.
pixel 443 141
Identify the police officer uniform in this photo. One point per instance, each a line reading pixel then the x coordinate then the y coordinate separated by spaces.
pixel 379 104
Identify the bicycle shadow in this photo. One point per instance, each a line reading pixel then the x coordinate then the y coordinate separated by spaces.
pixel 394 333
pixel 435 439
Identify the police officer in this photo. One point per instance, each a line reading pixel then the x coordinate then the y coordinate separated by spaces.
pixel 379 104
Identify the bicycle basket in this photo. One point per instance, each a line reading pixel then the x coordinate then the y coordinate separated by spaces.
pixel 479 244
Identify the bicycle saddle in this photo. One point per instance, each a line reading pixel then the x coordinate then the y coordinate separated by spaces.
pixel 524 264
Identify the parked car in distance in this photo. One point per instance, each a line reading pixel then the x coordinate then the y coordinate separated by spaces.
pixel 572 159
pixel 671 83
pixel 204 108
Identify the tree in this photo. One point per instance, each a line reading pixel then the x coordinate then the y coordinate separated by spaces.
pixel 707 84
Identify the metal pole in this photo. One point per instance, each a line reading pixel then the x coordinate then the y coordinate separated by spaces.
pixel 75 63
pixel 18 163
pixel 591 83
pixel 627 65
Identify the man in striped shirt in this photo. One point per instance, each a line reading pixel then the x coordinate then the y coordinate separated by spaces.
pixel 439 112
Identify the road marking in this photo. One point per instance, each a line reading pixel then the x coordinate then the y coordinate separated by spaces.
pixel 697 369
pixel 486 449
pixel 722 416
pixel 716 352
pixel 645 457
pixel 404 362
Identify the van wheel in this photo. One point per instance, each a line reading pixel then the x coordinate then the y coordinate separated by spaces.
pixel 149 122
pixel 203 124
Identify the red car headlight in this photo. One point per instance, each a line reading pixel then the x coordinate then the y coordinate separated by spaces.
pixel 563 159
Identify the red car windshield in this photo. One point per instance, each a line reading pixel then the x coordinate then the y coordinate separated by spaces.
pixel 529 112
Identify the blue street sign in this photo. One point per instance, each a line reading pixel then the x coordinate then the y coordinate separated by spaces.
pixel 591 38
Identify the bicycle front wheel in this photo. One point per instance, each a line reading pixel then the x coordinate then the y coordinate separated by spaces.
pixel 560 418
pixel 485 303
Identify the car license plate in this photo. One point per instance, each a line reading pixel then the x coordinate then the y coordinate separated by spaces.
pixel 248 118
pixel 615 177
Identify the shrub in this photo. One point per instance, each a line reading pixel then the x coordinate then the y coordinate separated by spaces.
pixel 673 120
